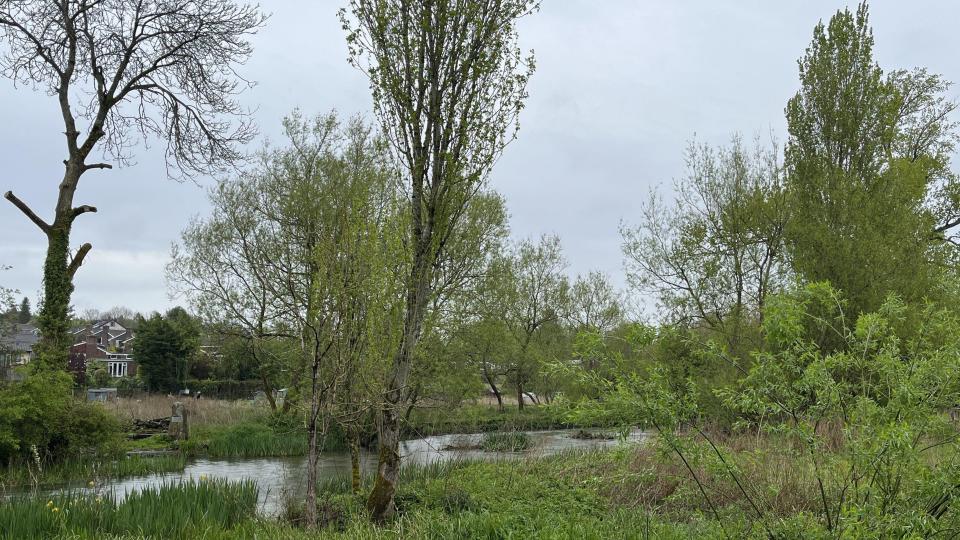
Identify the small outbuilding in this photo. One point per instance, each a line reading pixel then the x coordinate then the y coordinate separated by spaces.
pixel 101 394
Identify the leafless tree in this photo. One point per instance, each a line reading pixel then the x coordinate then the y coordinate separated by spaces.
pixel 123 71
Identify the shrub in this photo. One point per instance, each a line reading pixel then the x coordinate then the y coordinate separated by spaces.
pixel 40 419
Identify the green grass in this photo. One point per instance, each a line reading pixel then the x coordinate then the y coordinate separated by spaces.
pixel 629 491
pixel 248 439
pixel 153 442
pixel 483 418
pixel 505 441
pixel 88 469
pixel 183 510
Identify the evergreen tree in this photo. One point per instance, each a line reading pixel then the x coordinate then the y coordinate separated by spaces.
pixel 161 354
pixel 25 314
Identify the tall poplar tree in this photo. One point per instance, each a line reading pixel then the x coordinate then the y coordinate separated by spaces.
pixel 869 181
pixel 448 83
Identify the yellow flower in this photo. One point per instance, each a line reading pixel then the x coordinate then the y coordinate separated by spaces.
pixel 90 483
pixel 203 477
pixel 55 509
pixel 49 504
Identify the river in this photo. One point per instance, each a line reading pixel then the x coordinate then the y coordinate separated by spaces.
pixel 280 477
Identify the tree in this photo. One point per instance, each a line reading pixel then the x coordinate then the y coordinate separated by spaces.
pixel 448 84
pixel 124 68
pixel 713 258
pixel 24 315
pixel 161 354
pixel 302 250
pixel 537 301
pixel 188 331
pixel 869 183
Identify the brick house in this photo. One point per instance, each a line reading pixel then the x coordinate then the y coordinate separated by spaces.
pixel 107 341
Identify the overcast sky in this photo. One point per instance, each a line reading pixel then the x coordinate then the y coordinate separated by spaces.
pixel 620 87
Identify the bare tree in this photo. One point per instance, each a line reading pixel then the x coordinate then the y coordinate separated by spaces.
pixel 448 84
pixel 123 71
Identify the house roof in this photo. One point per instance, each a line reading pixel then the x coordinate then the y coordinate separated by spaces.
pixel 20 338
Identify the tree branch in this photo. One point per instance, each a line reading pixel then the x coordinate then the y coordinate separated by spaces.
pixel 97 166
pixel 78 259
pixel 27 211
pixel 82 210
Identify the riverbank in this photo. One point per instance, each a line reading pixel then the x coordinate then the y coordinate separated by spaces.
pixel 621 491
pixel 563 496
pixel 240 429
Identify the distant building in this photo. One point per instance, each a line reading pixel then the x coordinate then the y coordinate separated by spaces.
pixel 107 341
pixel 16 348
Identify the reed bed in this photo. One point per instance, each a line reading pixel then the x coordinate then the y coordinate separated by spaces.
pixel 203 411
pixel 176 510
pixel 17 477
pixel 505 441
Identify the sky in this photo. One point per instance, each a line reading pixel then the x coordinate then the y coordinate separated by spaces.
pixel 621 86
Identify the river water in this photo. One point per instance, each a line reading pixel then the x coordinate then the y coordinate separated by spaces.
pixel 280 477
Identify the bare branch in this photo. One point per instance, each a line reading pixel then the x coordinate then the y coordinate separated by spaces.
pixel 97 166
pixel 27 211
pixel 78 259
pixel 82 210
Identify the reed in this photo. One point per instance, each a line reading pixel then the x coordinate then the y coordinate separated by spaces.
pixel 20 475
pixel 506 441
pixel 175 510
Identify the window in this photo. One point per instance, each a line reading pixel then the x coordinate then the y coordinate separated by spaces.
pixel 117 369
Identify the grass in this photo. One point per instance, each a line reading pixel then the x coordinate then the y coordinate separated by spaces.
pixel 246 439
pixel 203 412
pixel 85 470
pixel 183 510
pixel 628 491
pixel 482 418
pixel 505 441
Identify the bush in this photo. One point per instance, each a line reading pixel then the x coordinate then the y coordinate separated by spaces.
pixel 40 420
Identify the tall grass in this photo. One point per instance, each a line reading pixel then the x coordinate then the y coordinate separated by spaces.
pixel 483 418
pixel 20 475
pixel 203 412
pixel 506 441
pixel 179 510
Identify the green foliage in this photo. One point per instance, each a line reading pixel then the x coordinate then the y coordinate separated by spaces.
pixel 869 183
pixel 712 257
pixel 181 510
pixel 505 441
pixel 40 420
pixel 163 346
pixel 881 387
pixel 85 469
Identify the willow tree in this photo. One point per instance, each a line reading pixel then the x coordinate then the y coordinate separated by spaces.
pixel 448 83
pixel 119 70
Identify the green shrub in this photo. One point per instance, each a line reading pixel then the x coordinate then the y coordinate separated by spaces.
pixel 40 420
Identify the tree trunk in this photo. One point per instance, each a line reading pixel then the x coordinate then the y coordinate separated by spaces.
pixel 493 388
pixel 355 460
pixel 53 349
pixel 310 512
pixel 380 503
pixel 520 396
